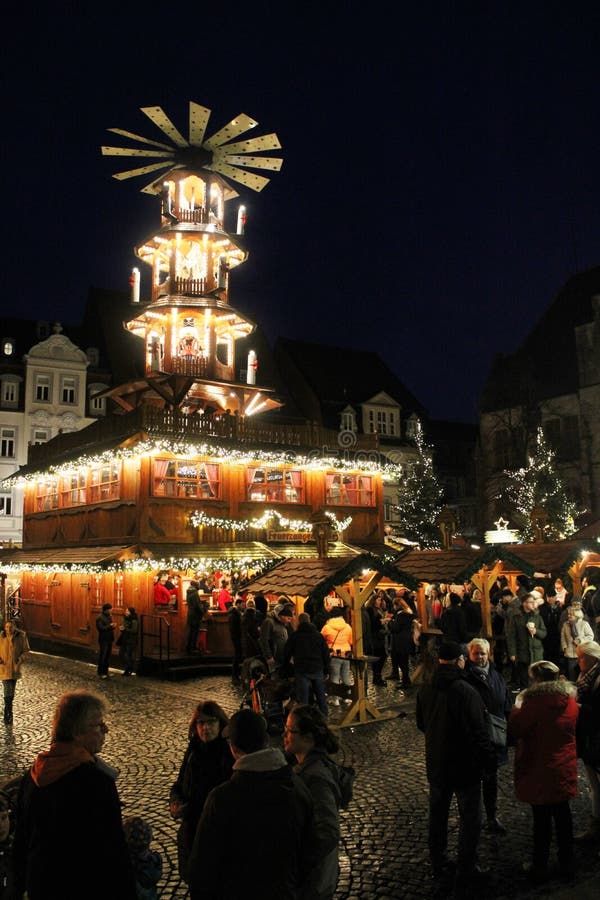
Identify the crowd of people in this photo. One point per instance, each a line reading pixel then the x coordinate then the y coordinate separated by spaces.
pixel 531 692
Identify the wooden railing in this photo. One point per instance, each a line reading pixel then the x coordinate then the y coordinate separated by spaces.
pixel 173 423
pixel 197 366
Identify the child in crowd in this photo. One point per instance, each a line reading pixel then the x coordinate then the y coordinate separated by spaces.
pixel 147 864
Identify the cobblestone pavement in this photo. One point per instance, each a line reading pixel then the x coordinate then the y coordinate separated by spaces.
pixel 384 831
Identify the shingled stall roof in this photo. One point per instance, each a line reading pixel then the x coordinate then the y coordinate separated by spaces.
pixel 460 565
pixel 241 550
pixel 65 556
pixel 318 577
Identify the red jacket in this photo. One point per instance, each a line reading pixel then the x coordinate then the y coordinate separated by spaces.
pixel 162 594
pixel 546 755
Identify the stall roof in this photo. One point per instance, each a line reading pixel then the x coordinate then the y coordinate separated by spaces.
pixel 437 565
pixel 68 555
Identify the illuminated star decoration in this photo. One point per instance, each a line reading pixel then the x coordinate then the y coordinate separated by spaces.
pixel 501 524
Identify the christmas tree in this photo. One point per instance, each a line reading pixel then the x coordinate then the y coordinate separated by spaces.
pixel 538 488
pixel 419 498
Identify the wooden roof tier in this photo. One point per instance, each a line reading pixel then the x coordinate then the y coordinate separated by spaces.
pixel 65 556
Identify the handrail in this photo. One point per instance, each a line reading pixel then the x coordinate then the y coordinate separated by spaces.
pixel 164 640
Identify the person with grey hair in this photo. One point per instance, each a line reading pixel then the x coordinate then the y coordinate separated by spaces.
pixel 68 809
pixel 588 730
pixel 543 724
pixel 524 638
pixel 491 687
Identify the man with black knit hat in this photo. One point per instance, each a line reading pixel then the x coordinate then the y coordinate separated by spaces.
pixel 458 752
pixel 265 798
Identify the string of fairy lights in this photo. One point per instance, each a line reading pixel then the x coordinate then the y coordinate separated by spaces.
pixel 268 518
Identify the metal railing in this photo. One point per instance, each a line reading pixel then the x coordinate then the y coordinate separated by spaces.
pixel 159 628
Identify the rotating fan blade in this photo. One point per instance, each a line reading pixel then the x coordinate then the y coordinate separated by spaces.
pixel 253 162
pixel 253 145
pixel 256 182
pixel 121 176
pixel 199 116
pixel 129 151
pixel 138 137
pixel 162 121
pixel 237 126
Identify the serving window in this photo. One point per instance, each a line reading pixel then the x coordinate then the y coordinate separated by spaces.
pixel 186 478
pixel 343 489
pixel 275 484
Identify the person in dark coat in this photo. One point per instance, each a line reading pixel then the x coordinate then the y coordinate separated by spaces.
pixel 196 608
pixel 379 616
pixel 262 607
pixel 588 731
pixel 550 611
pixel 250 630
pixel 69 814
pixel 106 636
pixel 128 639
pixel 453 622
pixel 267 798
pixel 524 639
pixel 401 629
pixel 491 687
pixel 543 723
pixel 308 649
pixel 235 633
pixel 458 754
pixel 207 762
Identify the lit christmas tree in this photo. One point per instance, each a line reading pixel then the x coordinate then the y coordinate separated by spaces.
pixel 419 498
pixel 538 487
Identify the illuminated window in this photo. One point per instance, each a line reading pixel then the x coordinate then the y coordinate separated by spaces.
pixel 343 489
pixel 73 489
pixel 105 483
pixel 46 495
pixel 186 478
pixel 280 485
pixel 8 346
pixel 42 388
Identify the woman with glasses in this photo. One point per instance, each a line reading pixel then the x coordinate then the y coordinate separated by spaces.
pixel 207 762
pixel 307 738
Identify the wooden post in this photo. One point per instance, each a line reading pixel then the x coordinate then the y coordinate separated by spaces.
pixel 362 711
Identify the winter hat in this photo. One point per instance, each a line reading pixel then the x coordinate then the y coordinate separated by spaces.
pixel 449 650
pixel 590 648
pixel 138 833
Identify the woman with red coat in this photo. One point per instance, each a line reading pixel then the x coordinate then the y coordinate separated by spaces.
pixel 543 725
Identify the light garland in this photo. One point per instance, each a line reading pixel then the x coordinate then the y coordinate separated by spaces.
pixel 309 462
pixel 199 519
pixel 197 565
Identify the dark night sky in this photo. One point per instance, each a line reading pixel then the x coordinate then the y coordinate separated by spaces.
pixel 440 183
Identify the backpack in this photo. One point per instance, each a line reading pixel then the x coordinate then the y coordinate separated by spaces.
pixel 344 777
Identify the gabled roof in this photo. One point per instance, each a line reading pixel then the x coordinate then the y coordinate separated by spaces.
pixel 342 375
pixel 67 556
pixel 520 376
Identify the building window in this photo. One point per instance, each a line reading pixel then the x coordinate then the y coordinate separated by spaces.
pixel 46 495
pixel 348 420
pixel 73 489
pixel 42 388
pixel 570 446
pixel 502 449
pixel 383 421
pixel 105 483
pixel 7 442
pixel 93 355
pixel 552 433
pixel 98 406
pixel 40 435
pixel 10 393
pixel 8 346
pixel 186 478
pixel 275 485
pixel 67 390
pixel 343 489
pixel 5 505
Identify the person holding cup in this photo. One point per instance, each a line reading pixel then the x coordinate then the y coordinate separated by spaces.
pixel 524 639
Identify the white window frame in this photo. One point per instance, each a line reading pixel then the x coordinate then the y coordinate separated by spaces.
pixel 68 387
pixel 8 441
pixel 42 385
